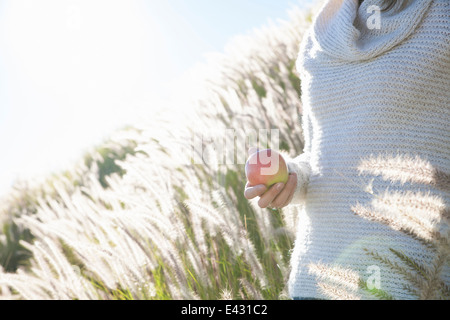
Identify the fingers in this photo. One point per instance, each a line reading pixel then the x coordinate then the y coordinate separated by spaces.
pixel 286 195
pixel 267 198
pixel 254 191
pixel 277 196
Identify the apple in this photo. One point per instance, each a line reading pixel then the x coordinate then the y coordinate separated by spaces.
pixel 266 167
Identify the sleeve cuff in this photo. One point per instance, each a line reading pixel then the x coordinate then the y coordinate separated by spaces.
pixel 301 167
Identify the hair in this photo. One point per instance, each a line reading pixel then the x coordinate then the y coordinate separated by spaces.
pixel 392 4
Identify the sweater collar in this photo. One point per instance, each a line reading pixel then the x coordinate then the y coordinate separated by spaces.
pixel 341 28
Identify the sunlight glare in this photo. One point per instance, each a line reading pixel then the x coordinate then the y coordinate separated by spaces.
pixel 74 70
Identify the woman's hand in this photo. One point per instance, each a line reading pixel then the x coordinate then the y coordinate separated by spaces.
pixel 277 196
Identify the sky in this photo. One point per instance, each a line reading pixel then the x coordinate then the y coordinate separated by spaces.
pixel 73 71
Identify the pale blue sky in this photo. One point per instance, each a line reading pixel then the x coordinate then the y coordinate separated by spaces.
pixel 71 71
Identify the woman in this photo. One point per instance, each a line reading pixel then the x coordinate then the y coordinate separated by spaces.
pixel 368 90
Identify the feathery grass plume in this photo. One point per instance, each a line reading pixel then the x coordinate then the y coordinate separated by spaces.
pixel 248 291
pixel 336 282
pixel 336 293
pixel 434 281
pixel 423 209
pixel 426 236
pixel 405 168
pixel 226 295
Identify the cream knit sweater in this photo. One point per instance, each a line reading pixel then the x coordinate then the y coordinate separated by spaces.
pixel 367 93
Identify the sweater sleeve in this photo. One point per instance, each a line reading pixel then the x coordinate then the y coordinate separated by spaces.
pixel 301 164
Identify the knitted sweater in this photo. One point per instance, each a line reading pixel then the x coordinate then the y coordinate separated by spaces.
pixel 367 93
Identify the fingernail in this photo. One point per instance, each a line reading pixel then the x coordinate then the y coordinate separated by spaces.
pixel 279 186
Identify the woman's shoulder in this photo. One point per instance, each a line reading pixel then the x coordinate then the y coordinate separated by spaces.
pixel 435 28
pixel 306 45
